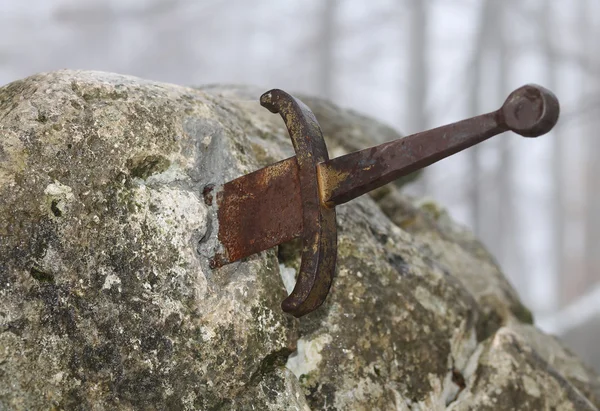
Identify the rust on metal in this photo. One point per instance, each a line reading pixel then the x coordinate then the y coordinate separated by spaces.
pixel 259 211
pixel 529 111
pixel 297 196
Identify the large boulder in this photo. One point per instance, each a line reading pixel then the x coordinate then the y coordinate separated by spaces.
pixel 108 301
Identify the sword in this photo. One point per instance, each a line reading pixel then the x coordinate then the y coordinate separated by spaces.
pixel 296 197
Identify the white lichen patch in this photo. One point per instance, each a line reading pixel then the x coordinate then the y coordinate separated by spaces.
pixel 308 355
pixel 57 378
pixel 170 175
pixel 531 386
pixel 431 302
pixel 57 189
pixel 51 261
pixel 110 280
pixel 173 215
pixel 360 393
pixel 58 196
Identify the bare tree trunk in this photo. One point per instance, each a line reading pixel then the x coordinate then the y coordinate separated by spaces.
pixel 502 237
pixel 486 21
pixel 417 75
pixel 504 173
pixel 556 165
pixel 592 218
pixel 326 49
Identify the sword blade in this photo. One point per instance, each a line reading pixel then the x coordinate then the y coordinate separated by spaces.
pixel 258 211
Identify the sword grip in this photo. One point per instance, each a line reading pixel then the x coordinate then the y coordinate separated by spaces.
pixel 529 111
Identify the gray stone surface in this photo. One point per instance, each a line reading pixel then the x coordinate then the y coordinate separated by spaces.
pixel 107 300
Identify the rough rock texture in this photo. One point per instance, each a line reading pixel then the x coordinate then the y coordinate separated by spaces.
pixel 107 300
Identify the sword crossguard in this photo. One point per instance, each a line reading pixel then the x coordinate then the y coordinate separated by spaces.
pixel 319 231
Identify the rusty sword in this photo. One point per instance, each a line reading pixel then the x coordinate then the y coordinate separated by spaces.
pixel 296 197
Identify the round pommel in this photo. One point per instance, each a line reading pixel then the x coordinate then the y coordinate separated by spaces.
pixel 531 111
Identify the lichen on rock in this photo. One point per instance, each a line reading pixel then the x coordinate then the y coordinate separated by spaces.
pixel 108 301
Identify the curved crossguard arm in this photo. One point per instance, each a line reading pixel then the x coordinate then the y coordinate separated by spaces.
pixel 297 196
pixel 319 232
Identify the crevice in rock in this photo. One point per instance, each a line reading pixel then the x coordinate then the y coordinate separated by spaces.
pixel 398 263
pixel 268 364
pixel 54 207
pixel 466 377
pixel 460 377
pixel 41 276
pixel 147 166
pixel 16 327
pixel 457 378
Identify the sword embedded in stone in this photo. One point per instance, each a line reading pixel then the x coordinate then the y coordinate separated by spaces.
pixel 296 197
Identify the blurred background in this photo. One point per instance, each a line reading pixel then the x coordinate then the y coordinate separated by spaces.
pixel 414 64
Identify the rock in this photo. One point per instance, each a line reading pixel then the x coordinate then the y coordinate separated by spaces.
pixel 458 251
pixel 558 357
pixel 512 375
pixel 108 301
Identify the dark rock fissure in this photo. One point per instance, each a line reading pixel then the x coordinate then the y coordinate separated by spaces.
pixel 41 276
pixel 54 208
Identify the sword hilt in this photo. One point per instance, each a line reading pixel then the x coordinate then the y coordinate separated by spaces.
pixel 311 185
pixel 530 111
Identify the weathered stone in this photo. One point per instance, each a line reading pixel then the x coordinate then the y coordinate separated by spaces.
pixel 511 375
pixel 561 359
pixel 460 253
pixel 108 302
